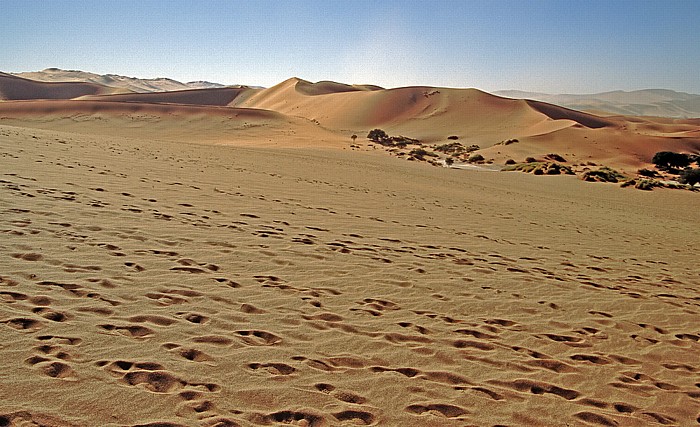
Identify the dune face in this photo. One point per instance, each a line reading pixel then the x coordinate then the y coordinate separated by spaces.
pixel 650 102
pixel 14 88
pixel 206 97
pixel 155 283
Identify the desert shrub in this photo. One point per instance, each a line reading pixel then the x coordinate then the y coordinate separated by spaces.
pixel 449 161
pixel 420 153
pixel 540 168
pixel 555 157
pixel 476 158
pixel 456 148
pixel 628 183
pixel 690 176
pixel 403 140
pixel 530 160
pixel 510 141
pixel 510 162
pixel 353 137
pixel 646 184
pixel 669 159
pixel 471 148
pixel 453 137
pixel 648 173
pixel 450 148
pixel 604 174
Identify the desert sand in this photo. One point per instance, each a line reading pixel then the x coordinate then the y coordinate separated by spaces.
pixel 190 263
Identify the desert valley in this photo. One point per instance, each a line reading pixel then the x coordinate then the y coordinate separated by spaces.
pixel 328 254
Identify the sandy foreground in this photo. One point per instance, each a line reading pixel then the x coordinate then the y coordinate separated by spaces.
pixel 175 284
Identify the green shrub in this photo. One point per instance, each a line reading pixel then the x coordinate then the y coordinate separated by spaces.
pixel 451 148
pixel 604 174
pixel 646 184
pixel 420 153
pixel 648 173
pixel 540 168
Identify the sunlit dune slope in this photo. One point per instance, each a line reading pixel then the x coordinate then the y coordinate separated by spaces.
pixel 424 112
pixel 188 123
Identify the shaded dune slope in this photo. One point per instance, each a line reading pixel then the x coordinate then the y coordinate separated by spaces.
pixel 209 97
pixel 16 88
pixel 556 112
pixel 67 107
pixel 328 87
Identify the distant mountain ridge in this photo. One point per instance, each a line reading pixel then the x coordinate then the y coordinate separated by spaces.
pixel 647 102
pixel 128 84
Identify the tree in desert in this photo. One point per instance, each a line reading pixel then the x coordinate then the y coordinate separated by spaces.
pixel 377 135
pixel 669 159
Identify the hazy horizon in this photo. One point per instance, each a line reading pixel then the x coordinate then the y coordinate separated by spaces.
pixel 557 47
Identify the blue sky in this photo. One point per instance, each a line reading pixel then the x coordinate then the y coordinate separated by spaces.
pixel 565 46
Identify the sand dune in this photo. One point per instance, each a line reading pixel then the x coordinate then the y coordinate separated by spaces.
pixel 423 112
pixel 649 102
pixel 14 88
pixel 331 112
pixel 174 122
pixel 151 283
pixel 327 87
pixel 209 97
pixel 129 84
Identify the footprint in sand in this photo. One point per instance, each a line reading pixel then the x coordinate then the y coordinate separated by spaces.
pixel 342 395
pixel 437 409
pixel 258 338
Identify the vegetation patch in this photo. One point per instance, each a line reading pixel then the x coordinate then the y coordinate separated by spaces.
pixel 507 142
pixel 604 174
pixel 420 153
pixel 648 173
pixel 540 168
pixel 456 148
pixel 382 138
pixel 690 176
pixel 476 158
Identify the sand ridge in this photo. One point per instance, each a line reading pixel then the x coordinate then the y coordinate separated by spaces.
pixel 205 285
